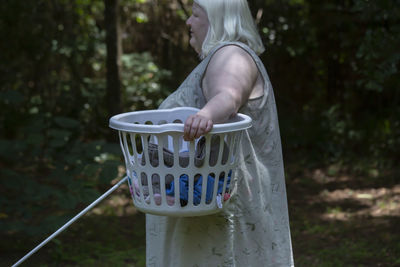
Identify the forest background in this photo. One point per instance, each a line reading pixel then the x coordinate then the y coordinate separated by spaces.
pixel 67 66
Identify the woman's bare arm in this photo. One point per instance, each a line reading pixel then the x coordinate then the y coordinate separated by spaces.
pixel 227 85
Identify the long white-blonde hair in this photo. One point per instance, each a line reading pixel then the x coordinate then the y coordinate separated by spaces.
pixel 230 21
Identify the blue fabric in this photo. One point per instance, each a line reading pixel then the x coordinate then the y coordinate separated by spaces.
pixel 184 187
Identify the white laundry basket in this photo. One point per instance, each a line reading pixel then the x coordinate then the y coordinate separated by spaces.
pixel 170 176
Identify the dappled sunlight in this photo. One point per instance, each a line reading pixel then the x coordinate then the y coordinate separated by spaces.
pixel 335 194
pixel 340 217
pixel 322 177
pixel 375 202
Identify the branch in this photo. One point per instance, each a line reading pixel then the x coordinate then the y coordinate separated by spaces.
pixel 183 8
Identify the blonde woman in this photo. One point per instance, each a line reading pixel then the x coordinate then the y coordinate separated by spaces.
pixel 254 229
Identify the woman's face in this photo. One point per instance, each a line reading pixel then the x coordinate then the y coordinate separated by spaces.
pixel 198 23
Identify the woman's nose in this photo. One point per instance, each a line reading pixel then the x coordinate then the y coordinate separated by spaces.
pixel 189 21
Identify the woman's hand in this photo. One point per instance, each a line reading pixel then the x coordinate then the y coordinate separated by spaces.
pixel 196 126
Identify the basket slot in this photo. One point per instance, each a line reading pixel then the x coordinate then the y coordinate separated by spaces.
pixel 219 150
pixel 156 182
pixel 131 146
pixel 137 143
pixel 237 137
pixel 190 191
pixel 153 151
pixel 175 138
pixel 169 162
pixel 208 148
pixel 161 159
pixel 192 145
pixel 141 188
pixel 177 192
pixel 232 142
pixel 215 190
pixel 184 155
pixel 142 146
pixel 122 141
pixel 126 149
pixel 224 176
pixel 147 187
pixel 135 189
pixel 146 163
pixel 203 188
pixel 160 149
pixel 227 140
pixel 213 151
pixel 130 185
pixel 223 150
pixel 197 153
pixel 232 182
pixel 175 144
pixel 169 178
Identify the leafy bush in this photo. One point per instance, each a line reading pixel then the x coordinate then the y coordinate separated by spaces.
pixel 48 173
pixel 143 82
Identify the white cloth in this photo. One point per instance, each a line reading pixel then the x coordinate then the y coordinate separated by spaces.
pixel 254 229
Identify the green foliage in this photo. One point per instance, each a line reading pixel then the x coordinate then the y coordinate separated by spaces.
pixel 50 172
pixel 142 80
pixel 334 68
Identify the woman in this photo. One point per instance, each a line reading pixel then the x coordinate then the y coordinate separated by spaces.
pixel 253 230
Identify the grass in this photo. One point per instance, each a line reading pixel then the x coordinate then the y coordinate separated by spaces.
pixel 104 241
pixel 338 218
pixel 106 236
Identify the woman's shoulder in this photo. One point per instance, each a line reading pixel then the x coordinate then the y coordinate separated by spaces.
pixel 232 55
pixel 235 49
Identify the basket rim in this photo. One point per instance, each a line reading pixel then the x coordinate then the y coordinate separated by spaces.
pixel 237 123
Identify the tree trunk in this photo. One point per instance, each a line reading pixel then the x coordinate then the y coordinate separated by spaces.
pixel 113 64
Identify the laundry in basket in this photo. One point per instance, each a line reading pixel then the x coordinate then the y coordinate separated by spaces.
pixel 197 190
pixel 184 179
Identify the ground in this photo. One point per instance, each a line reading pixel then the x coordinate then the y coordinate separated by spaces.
pixel 339 217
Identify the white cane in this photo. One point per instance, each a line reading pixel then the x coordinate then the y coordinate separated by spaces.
pixel 71 221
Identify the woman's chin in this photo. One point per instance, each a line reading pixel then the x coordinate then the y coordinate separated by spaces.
pixel 194 45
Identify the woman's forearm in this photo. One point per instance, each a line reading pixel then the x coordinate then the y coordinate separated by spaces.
pixel 221 107
pixel 217 110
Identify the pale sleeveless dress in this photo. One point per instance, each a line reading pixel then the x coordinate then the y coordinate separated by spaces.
pixel 254 229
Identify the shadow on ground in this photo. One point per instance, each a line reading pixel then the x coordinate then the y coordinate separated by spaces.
pixel 344 219
pixel 337 219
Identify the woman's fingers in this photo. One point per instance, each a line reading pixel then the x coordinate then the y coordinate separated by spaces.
pixel 200 128
pixel 187 128
pixel 196 126
pixel 203 128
